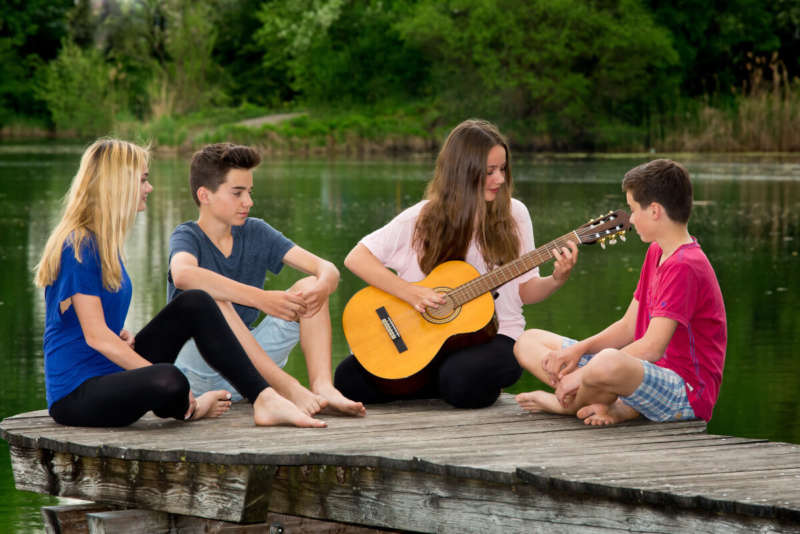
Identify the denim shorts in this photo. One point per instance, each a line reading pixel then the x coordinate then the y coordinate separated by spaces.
pixel 660 397
pixel 276 336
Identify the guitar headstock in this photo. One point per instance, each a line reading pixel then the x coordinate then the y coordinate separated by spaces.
pixel 605 228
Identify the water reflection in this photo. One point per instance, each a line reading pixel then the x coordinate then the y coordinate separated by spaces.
pixel 746 218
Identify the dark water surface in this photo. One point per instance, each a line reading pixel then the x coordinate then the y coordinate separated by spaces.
pixel 747 219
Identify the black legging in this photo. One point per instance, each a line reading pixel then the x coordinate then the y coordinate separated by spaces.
pixel 470 377
pixel 119 399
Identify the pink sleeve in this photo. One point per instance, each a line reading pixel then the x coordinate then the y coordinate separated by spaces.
pixel 676 291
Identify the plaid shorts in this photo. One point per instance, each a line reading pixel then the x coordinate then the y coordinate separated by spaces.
pixel 660 397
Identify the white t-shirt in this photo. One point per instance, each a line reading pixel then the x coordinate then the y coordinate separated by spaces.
pixel 392 245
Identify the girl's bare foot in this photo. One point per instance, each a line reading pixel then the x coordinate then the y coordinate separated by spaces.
pixel 339 402
pixel 212 404
pixel 541 401
pixel 271 409
pixel 607 414
pixel 308 402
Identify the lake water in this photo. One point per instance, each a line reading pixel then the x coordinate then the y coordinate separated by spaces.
pixel 747 218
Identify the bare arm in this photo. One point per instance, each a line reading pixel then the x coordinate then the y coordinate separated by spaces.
pixel 98 336
pixel 366 266
pixel 537 289
pixel 326 273
pixel 187 274
pixel 618 334
pixel 653 343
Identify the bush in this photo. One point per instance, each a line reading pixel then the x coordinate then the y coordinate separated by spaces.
pixel 78 89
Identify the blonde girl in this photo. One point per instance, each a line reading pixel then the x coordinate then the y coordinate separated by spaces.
pixel 97 373
pixel 468 214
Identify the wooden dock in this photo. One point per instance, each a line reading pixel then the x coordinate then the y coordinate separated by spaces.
pixel 422 466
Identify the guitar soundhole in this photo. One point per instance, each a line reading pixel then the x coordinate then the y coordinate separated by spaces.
pixel 444 313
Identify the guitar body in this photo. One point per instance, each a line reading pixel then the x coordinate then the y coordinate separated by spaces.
pixel 392 340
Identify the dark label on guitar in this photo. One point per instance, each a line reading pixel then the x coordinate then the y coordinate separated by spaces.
pixel 391 329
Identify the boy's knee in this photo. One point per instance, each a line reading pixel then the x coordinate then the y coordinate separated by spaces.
pixel 526 342
pixel 304 283
pixel 605 368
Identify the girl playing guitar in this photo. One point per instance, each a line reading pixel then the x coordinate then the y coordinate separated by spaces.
pixel 468 214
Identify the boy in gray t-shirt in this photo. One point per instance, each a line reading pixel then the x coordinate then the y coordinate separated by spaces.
pixel 227 254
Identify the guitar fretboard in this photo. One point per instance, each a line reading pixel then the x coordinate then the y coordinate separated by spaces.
pixel 499 276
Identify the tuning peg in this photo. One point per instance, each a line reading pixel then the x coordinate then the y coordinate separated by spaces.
pixel 622 235
pixel 612 240
pixel 603 243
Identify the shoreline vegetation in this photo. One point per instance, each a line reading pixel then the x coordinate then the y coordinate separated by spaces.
pixel 336 77
pixel 762 120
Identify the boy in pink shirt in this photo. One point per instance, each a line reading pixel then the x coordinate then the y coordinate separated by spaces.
pixel 664 358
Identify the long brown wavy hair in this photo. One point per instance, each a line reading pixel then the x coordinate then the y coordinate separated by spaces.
pixel 457 210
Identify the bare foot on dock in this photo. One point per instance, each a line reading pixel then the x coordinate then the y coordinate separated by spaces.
pixel 339 402
pixel 541 401
pixel 607 414
pixel 211 404
pixel 271 409
pixel 308 402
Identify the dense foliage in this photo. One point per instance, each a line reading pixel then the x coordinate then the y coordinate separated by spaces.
pixel 557 74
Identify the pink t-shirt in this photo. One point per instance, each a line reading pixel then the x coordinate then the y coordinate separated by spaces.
pixel 392 245
pixel 685 288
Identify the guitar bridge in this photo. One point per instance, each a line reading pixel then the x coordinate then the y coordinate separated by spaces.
pixel 391 329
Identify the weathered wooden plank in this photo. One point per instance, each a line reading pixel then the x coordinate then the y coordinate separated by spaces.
pixel 433 503
pixel 129 521
pixel 291 524
pixel 766 493
pixel 212 491
pixel 70 518
pixel 713 459
pixel 128 444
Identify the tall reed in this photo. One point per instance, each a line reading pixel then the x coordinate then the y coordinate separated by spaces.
pixel 764 115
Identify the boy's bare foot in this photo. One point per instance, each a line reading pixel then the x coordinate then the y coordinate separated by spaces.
pixel 541 401
pixel 339 402
pixel 271 409
pixel 308 402
pixel 211 404
pixel 606 414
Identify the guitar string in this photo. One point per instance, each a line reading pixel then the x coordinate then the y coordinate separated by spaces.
pixel 497 277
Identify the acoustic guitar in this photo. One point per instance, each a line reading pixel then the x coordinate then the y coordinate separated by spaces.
pixel 392 340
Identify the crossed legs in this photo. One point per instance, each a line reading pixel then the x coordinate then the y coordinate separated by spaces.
pixel 593 390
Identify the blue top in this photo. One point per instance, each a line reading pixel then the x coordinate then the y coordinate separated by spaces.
pixel 257 246
pixel 68 360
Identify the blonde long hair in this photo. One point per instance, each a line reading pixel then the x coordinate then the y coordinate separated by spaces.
pixel 457 211
pixel 102 203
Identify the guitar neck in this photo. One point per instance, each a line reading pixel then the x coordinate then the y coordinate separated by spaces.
pixel 499 276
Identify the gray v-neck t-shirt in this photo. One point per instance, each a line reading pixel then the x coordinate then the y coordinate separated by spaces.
pixel 257 247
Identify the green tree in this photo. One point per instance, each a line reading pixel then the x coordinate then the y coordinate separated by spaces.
pixel 78 87
pixel 248 77
pixel 713 39
pixel 339 51
pixel 163 50
pixel 30 33
pixel 570 72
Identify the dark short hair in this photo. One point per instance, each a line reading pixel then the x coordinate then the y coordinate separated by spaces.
pixel 664 181
pixel 210 165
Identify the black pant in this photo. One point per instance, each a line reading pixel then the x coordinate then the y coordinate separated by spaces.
pixel 119 399
pixel 470 377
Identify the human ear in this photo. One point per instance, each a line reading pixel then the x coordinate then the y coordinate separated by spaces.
pixel 202 195
pixel 655 209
